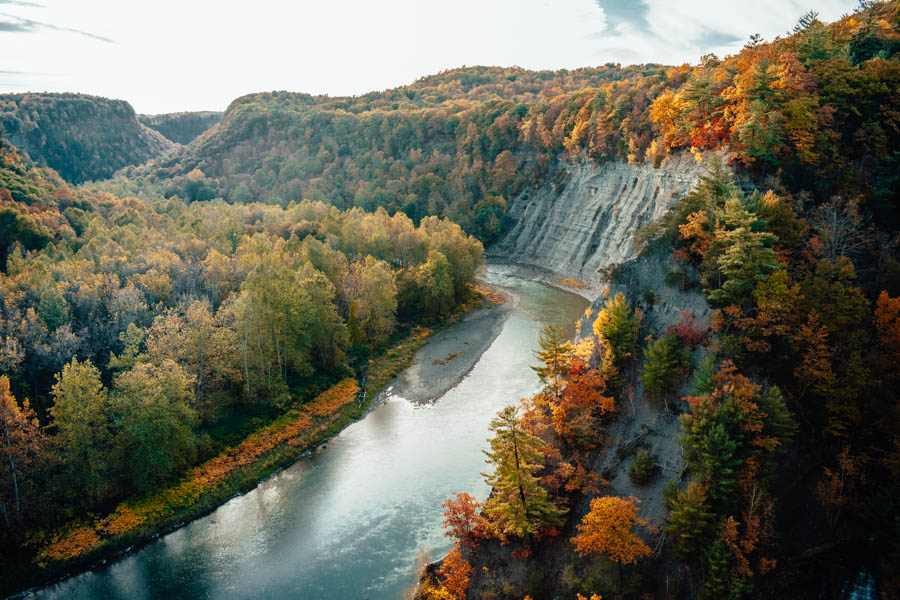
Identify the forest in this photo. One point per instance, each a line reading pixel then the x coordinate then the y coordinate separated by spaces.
pixel 81 137
pixel 160 333
pixel 199 309
pixel 183 127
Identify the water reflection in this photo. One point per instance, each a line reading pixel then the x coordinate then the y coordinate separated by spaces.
pixel 347 522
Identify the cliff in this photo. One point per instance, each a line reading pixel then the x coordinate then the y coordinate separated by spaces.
pixel 586 222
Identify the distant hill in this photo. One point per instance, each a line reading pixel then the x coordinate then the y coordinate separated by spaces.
pixel 82 137
pixel 181 127
pixel 447 144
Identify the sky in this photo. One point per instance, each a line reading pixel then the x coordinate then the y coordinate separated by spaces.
pixel 177 55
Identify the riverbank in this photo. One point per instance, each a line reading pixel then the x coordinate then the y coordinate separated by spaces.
pixel 545 276
pixel 450 355
pixel 92 543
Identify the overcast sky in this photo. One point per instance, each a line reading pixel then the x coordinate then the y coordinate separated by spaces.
pixel 173 55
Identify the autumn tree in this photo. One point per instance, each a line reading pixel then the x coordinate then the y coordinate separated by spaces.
pixel 887 323
pixel 583 401
pixel 372 293
pixel 519 506
pixel 22 444
pixel 83 418
pixel 463 520
pixel 455 571
pixel 607 530
pixel 201 343
pixel 155 422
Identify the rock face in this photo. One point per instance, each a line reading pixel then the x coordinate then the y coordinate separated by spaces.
pixel 587 221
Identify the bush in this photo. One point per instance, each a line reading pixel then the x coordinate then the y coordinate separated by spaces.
pixel 643 468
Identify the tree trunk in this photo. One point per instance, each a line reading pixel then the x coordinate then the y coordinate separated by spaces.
pixel 12 468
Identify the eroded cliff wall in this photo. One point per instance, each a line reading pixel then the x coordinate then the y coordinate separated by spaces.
pixel 587 221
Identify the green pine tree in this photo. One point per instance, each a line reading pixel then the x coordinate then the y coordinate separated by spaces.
pixel 555 354
pixel 664 360
pixel 518 505
pixel 690 519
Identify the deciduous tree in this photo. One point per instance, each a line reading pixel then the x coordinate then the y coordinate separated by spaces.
pixel 607 530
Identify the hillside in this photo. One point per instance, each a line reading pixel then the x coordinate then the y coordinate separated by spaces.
pixel 183 127
pixel 82 137
pixel 464 143
pixel 36 205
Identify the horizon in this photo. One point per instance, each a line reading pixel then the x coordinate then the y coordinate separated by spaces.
pixel 381 47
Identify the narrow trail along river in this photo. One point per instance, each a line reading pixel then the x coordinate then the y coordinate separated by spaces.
pixel 347 521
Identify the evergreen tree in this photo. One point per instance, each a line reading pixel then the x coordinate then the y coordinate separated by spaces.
pixel 615 325
pixel 703 376
pixel 518 506
pixel 690 519
pixel 664 360
pixel 718 464
pixel 555 354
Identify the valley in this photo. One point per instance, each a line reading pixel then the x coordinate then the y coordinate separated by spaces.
pixel 621 331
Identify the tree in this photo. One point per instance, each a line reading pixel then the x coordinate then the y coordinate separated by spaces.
pixel 463 521
pixel 616 330
pixel 519 506
pixel 21 446
pixel 436 284
pixel 643 467
pixel 606 530
pixel 83 418
pixel 664 363
pixel 690 520
pixel 132 339
pixel 887 323
pixel 554 355
pixel 204 346
pixel 455 571
pixel 574 415
pixel 155 436
pixel 616 324
pixel 372 293
pixel 738 258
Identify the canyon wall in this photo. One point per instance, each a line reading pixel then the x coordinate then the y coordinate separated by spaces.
pixel 587 221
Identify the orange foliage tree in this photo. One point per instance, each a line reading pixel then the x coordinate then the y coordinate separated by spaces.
pixel 606 530
pixel 887 322
pixel 463 520
pixel 582 401
pixel 455 571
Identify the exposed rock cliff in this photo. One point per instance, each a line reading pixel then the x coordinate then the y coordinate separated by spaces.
pixel 587 221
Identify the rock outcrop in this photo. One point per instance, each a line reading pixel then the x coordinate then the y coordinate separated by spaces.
pixel 587 221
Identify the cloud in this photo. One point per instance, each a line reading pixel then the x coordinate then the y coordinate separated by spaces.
pixel 23 25
pixel 20 3
pixel 631 14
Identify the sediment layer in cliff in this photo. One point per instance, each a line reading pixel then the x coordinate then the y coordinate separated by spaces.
pixel 587 221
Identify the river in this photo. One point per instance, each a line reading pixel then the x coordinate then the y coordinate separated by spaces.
pixel 347 522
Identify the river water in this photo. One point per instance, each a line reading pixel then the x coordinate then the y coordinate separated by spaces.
pixel 348 521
